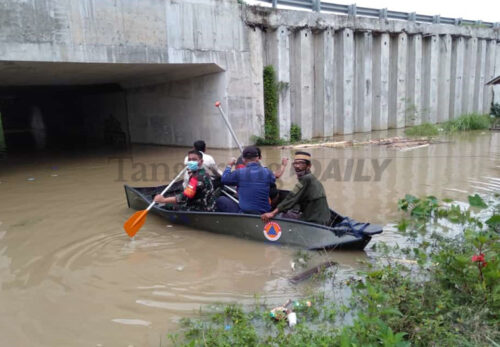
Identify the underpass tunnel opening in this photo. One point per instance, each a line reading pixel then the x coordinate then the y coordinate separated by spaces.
pixel 86 105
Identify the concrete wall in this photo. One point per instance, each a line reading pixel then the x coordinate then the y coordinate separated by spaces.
pixel 338 74
pixel 375 74
pixel 175 38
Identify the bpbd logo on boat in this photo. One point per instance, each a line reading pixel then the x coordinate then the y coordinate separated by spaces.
pixel 272 231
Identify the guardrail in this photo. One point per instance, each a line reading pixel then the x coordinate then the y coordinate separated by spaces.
pixel 353 10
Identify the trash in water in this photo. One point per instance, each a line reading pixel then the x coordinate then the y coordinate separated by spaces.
pixel 31 179
pixel 180 268
pixel 227 327
pixel 292 319
pixel 169 226
pixel 292 264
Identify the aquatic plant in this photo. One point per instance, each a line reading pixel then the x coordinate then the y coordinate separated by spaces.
pixel 425 129
pixel 442 288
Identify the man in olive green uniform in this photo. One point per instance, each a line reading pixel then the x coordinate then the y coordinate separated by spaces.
pixel 308 193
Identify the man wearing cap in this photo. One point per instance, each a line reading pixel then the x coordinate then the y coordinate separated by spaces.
pixel 253 182
pixel 308 193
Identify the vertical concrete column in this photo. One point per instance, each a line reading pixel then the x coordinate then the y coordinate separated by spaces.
pixel 431 74
pixel 324 66
pixel 489 75
pixel 457 77
pixel 445 50
pixel 302 80
pixel 363 83
pixel 469 75
pixel 278 51
pixel 413 111
pixel 397 81
pixel 381 44
pixel 329 83
pixel 256 44
pixel 496 88
pixel 480 76
pixel 344 56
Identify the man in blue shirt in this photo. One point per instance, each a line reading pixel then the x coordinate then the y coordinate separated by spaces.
pixel 253 182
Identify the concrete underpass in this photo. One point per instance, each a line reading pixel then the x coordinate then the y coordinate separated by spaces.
pixel 74 105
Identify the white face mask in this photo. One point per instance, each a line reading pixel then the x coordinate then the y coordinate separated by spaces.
pixel 192 165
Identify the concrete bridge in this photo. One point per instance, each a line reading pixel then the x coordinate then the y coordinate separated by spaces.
pixel 153 69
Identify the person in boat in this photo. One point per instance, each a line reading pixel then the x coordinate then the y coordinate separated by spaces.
pixel 253 182
pixel 273 189
pixel 308 193
pixel 208 162
pixel 198 195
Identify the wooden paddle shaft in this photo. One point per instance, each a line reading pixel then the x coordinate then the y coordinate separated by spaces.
pixel 168 187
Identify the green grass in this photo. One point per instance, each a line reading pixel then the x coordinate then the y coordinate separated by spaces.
pixel 465 122
pixel 425 129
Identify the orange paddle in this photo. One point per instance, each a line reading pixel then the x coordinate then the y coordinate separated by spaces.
pixel 134 223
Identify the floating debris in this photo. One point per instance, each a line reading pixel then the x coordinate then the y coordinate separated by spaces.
pixel 399 143
pixel 180 268
pixel 30 179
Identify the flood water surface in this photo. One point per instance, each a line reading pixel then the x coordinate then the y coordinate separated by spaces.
pixel 69 275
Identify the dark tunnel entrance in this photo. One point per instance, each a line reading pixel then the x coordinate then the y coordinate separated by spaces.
pixel 67 117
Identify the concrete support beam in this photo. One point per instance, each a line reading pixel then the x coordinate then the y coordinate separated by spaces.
pixel 480 76
pixel 496 88
pixel 469 75
pixel 431 75
pixel 364 82
pixel 413 111
pixel 445 49
pixel 344 56
pixel 329 78
pixel 489 74
pixel 302 80
pixel 397 81
pixel 256 43
pixel 457 77
pixel 324 67
pixel 278 51
pixel 381 45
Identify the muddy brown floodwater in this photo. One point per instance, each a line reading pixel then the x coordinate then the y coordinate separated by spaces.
pixel 69 275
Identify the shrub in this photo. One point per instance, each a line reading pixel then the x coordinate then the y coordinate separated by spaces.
pixel 425 129
pixel 467 122
pixel 295 133
pixel 271 130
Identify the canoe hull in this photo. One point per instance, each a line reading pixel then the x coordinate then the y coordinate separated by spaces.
pixel 279 231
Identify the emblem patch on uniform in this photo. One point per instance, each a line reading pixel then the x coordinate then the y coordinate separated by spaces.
pixel 272 231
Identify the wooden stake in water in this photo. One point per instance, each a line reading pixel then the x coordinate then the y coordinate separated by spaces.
pixel 3 145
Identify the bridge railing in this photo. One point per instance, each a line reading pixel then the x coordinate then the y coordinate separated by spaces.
pixel 353 10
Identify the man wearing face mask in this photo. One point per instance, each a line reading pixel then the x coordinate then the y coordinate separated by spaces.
pixel 308 193
pixel 198 194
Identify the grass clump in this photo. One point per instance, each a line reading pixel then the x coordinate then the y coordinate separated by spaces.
pixel 425 129
pixel 467 122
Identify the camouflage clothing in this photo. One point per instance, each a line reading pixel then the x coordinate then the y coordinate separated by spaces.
pixel 199 193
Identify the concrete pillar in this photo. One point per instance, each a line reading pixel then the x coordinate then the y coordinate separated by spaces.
pixel 431 74
pixel 445 49
pixel 329 87
pixel 413 114
pixel 457 77
pixel 344 56
pixel 496 88
pixel 256 44
pixel 278 52
pixel 397 81
pixel 381 44
pixel 363 82
pixel 480 77
pixel 324 103
pixel 469 75
pixel 489 74
pixel 3 145
pixel 302 81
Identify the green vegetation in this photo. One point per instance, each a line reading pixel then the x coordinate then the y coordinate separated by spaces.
pixel 295 133
pixel 495 110
pixel 425 129
pixel 271 128
pixel 441 289
pixel 463 123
